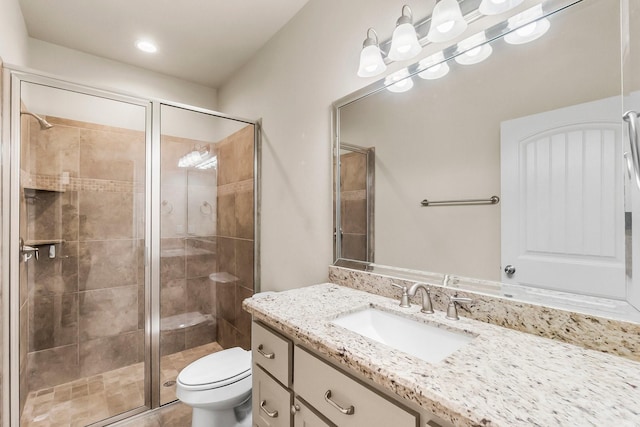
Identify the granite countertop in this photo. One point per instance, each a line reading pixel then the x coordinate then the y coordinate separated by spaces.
pixel 501 378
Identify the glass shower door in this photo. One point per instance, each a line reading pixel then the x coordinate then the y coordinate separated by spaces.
pixel 81 269
pixel 206 237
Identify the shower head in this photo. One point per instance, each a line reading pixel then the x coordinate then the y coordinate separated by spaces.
pixel 44 125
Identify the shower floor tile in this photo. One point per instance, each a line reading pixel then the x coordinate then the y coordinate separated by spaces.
pixel 92 399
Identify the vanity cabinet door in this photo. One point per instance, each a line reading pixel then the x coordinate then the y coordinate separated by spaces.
pixel 271 402
pixel 305 417
pixel 343 400
pixel 272 351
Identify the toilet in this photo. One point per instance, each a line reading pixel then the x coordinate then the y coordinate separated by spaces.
pixel 218 388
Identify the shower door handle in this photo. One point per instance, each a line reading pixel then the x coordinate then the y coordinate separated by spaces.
pixel 631 117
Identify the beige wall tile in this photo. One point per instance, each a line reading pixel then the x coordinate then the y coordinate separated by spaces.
pixel 244 263
pixel 226 301
pixel 58 275
pixel 112 155
pixel 226 216
pixel 106 215
pixel 52 367
pixel 54 151
pixel 107 264
pixel 244 214
pixel 172 297
pixel 244 142
pixel 109 353
pixel 53 321
pixel 108 312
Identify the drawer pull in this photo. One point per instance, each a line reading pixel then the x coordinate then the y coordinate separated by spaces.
pixel 270 414
pixel 266 355
pixel 347 411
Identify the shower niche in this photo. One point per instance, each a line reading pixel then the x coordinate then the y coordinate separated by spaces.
pixel 125 262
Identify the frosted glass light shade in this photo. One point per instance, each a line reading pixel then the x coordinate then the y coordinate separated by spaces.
pixel 433 67
pixel 371 62
pixel 496 7
pixel 404 43
pixel 474 49
pixel 399 81
pixel 447 21
pixel 528 31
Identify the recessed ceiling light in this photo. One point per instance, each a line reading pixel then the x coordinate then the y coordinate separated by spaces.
pixel 146 46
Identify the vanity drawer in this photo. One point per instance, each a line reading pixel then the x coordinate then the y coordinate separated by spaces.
pixel 271 402
pixel 343 400
pixel 272 351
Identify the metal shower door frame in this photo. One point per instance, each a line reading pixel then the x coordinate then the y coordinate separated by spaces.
pixel 12 77
pixel 12 80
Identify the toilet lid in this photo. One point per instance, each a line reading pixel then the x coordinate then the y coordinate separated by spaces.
pixel 218 369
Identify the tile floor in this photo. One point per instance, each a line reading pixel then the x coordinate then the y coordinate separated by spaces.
pixel 95 398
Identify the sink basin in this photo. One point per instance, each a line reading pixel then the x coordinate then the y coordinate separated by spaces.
pixel 418 339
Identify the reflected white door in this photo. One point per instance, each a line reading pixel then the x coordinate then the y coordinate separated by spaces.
pixel 563 199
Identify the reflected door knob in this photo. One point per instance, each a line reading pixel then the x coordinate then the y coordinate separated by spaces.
pixel 510 270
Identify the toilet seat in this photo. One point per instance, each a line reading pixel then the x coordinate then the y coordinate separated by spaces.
pixel 216 370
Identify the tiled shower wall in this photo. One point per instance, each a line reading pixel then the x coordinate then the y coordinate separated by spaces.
pixel 353 205
pixel 82 311
pixel 235 236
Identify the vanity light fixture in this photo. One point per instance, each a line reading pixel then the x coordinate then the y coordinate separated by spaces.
pixel 475 48
pixel 403 82
pixel 371 62
pixel 526 30
pixel 496 7
pixel 447 21
pixel 146 46
pixel 194 158
pixel 404 43
pixel 210 163
pixel 433 67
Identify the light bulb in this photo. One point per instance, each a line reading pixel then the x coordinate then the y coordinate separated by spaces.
pixel 371 62
pixel 399 81
pixel 433 67
pixel 447 21
pixel 146 46
pixel 404 42
pixel 474 49
pixel 445 27
pixel 526 30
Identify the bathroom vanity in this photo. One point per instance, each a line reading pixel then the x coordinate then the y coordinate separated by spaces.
pixel 311 371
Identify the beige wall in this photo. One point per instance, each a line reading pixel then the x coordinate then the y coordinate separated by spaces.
pixel 305 68
pixel 291 84
pixel 13 33
pixel 92 70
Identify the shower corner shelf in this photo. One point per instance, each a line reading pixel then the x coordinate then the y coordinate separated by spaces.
pixel 49 189
pixel 44 242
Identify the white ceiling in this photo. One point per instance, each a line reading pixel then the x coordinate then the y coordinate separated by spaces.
pixel 203 41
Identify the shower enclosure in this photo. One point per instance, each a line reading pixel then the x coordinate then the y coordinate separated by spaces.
pixel 129 242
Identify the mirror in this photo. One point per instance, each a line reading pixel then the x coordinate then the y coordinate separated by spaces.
pixel 537 125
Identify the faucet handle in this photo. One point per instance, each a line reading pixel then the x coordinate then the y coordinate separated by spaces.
pixel 404 299
pixel 452 309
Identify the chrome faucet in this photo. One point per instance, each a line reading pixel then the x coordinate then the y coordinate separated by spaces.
pixel 452 309
pixel 427 307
